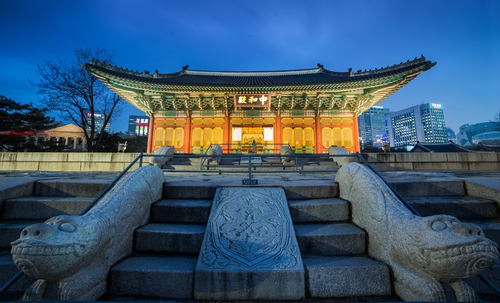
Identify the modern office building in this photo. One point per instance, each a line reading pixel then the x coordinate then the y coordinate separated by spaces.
pixel 451 135
pixel 99 119
pixel 373 128
pixel 138 125
pixel 471 134
pixel 420 123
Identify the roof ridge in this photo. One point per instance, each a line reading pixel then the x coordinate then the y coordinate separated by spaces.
pixel 304 71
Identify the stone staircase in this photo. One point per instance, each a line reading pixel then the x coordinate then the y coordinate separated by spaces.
pixel 166 249
pixel 450 197
pixel 49 198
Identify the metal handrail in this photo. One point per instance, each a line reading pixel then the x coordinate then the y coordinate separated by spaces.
pixel 19 274
pixel 481 277
pixel 202 162
pixel 239 145
pixel 394 191
pixel 243 145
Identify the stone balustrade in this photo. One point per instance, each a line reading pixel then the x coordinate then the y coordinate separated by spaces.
pixel 474 161
pixel 66 161
pixel 115 162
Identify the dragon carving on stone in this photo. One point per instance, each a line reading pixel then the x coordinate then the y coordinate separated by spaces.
pixel 70 256
pixel 424 253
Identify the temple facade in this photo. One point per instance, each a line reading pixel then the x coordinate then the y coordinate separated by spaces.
pixel 308 109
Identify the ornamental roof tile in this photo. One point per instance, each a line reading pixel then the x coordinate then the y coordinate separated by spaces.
pixel 313 76
pixel 439 147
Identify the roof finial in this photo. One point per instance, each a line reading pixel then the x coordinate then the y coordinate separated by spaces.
pixel 320 65
pixel 155 75
pixel 185 67
pixel 350 71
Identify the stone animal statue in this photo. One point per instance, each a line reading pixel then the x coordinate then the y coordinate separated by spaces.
pixel 336 150
pixel 168 153
pixel 214 154
pixel 286 151
pixel 70 256
pixel 423 252
pixel 122 147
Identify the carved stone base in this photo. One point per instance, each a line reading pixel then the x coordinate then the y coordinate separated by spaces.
pixel 249 250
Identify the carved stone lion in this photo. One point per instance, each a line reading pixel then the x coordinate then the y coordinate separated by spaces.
pixel 214 154
pixel 70 256
pixel 168 153
pixel 288 152
pixel 423 252
pixel 336 150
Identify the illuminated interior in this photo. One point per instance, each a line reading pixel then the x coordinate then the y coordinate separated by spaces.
pixel 244 137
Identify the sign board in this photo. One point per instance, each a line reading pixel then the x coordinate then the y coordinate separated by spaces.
pixel 252 101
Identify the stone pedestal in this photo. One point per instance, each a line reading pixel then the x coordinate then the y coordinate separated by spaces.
pixel 249 250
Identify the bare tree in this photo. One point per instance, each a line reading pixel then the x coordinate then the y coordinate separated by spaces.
pixel 76 95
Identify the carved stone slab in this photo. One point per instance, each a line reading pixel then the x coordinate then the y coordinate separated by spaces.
pixel 249 250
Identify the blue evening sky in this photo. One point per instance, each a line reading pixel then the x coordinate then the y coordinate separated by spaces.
pixel 462 36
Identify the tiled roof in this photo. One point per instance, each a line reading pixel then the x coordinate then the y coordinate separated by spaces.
pixel 440 147
pixel 318 75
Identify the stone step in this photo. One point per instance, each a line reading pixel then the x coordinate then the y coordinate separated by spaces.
pixel 172 277
pixel 319 210
pixel 207 192
pixel 336 239
pixel 188 192
pixel 70 188
pixel 43 207
pixel 423 188
pixel 153 276
pixel 10 230
pixel 462 207
pixel 181 211
pixel 7 270
pixel 302 192
pixel 344 276
pixel 491 229
pixel 170 238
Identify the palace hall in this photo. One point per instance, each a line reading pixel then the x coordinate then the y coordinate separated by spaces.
pixel 307 109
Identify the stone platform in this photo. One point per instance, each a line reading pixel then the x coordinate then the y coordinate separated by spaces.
pixel 249 251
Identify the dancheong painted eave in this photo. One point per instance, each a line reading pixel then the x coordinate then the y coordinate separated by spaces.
pixel 314 79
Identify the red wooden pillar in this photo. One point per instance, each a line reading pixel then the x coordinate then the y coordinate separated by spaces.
pixel 277 132
pixel 357 148
pixel 318 148
pixel 149 147
pixel 187 135
pixel 226 136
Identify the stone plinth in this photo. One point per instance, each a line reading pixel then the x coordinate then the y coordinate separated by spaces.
pixel 249 250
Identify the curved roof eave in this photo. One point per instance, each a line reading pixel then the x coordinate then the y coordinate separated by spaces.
pixel 196 80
